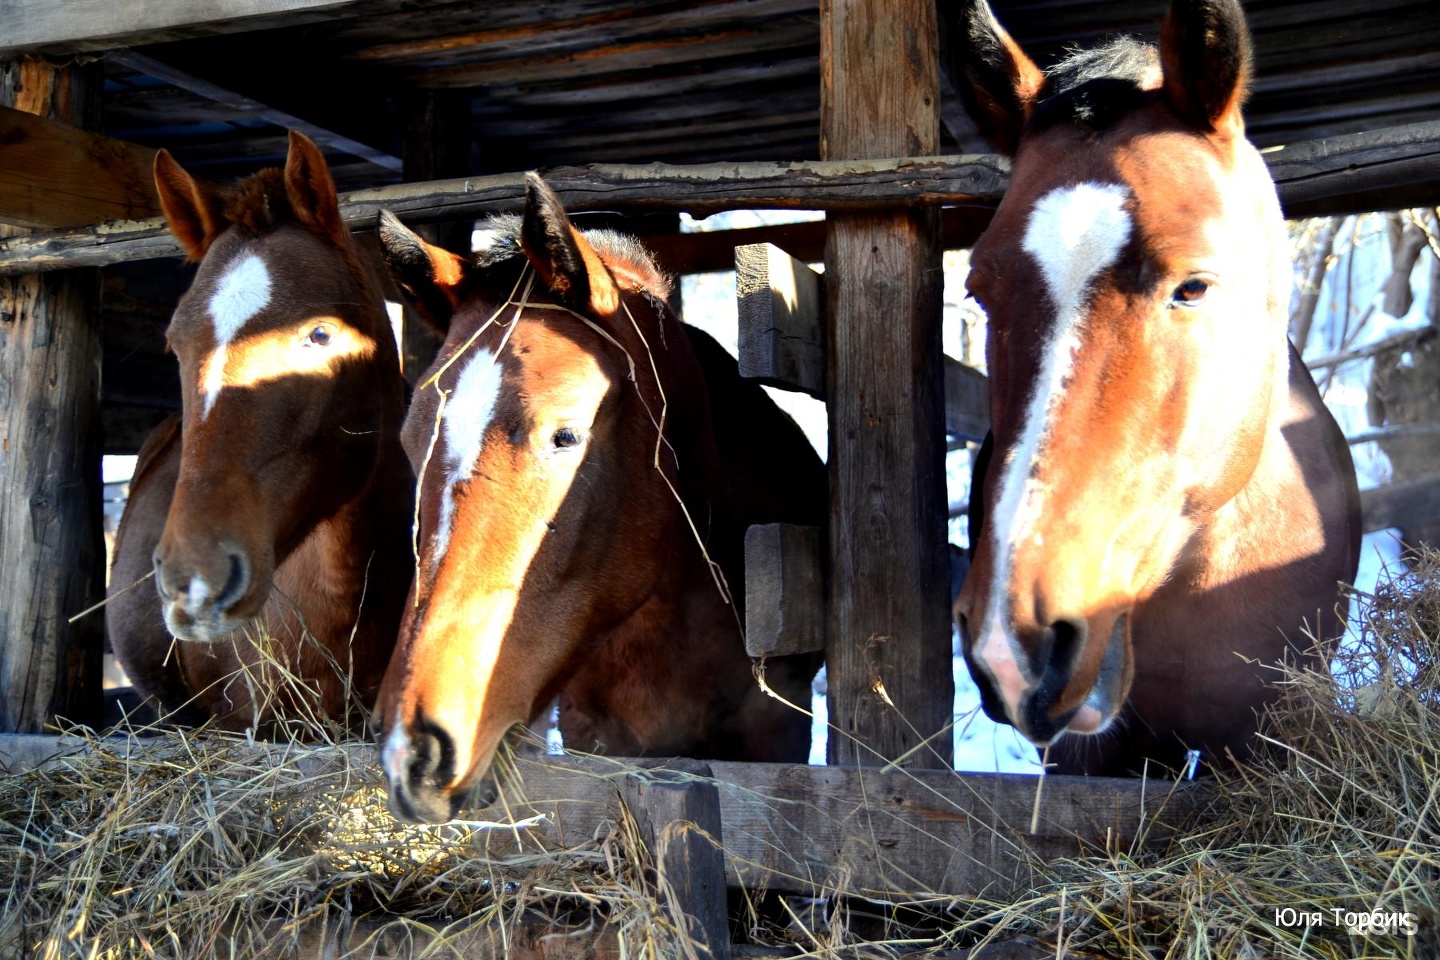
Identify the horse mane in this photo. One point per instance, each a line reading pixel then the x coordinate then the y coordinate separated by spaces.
pixel 621 252
pixel 1095 88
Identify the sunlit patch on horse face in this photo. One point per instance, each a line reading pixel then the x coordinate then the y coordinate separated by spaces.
pixel 1074 234
pixel 468 411
pixel 240 295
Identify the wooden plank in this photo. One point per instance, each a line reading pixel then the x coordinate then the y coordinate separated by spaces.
pixel 780 303
pixel 55 175
pixel 250 107
pixel 784 590
pixel 967 402
pixel 52 552
pixel 1313 176
pixel 77 26
pixel 747 41
pixel 888 652
pixel 676 806
pixel 889 834
pixel 1403 503
pixel 700 189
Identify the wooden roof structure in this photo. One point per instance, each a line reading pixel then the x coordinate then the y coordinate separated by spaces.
pixel 564 82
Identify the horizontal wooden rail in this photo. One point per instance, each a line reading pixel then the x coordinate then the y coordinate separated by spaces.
pixel 789 828
pixel 1311 176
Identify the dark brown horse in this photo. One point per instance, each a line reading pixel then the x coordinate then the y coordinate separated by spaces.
pixel 586 466
pixel 275 510
pixel 1169 507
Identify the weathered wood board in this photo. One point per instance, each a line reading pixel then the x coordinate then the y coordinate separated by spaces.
pixel 890 834
pixel 55 175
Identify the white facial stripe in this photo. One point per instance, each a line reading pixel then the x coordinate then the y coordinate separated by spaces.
pixel 242 293
pixel 1074 233
pixel 468 411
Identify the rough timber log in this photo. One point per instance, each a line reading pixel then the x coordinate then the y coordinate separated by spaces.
pixel 51 547
pixel 888 655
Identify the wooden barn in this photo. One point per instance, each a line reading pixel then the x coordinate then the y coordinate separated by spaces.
pixel 634 113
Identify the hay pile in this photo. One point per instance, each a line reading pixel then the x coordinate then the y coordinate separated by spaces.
pixel 213 846
pixel 1331 850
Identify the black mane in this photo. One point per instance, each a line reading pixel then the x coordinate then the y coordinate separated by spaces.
pixel 1095 88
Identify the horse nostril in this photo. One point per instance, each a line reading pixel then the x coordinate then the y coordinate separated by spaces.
pixel 236 583
pixel 432 760
pixel 1064 640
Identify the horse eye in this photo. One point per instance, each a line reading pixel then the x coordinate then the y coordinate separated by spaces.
pixel 320 336
pixel 1190 292
pixel 565 437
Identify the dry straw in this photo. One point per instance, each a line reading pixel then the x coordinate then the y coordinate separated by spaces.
pixel 211 845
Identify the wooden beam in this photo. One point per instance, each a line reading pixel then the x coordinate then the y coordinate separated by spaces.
pixel 967 402
pixel 781 310
pixel 55 175
pixel 1306 173
pixel 186 80
pixel 701 189
pixel 889 652
pixel 784 590
pixel 1404 503
pixel 78 26
pixel 1316 178
pixel 788 828
pixel 676 807
pixel 52 557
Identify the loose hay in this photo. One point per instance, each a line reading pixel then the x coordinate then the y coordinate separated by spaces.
pixel 211 846
pixel 1329 850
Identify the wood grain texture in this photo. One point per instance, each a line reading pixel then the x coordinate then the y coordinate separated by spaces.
pixel 51 546
pixel 791 828
pixel 85 25
pixel 55 175
pixel 701 189
pixel 676 805
pixel 888 655
pixel 784 590
pixel 781 334
pixel 1309 176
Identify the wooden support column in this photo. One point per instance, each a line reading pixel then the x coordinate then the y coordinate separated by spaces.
pixel 889 650
pixel 437 147
pixel 51 546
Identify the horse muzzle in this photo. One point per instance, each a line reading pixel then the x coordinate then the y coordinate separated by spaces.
pixel 1030 700
pixel 203 601
pixel 419 771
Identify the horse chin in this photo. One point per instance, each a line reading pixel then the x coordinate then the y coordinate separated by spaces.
pixel 203 630
pixel 1089 721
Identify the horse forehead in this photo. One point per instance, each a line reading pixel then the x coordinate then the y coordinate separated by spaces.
pixel 1074 232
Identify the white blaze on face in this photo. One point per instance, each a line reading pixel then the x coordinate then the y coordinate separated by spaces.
pixel 468 411
pixel 1074 234
pixel 240 295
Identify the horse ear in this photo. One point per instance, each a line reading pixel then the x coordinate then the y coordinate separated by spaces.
pixel 190 207
pixel 996 80
pixel 311 190
pixel 429 275
pixel 563 258
pixel 1205 53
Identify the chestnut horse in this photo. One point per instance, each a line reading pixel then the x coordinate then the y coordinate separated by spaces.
pixel 1169 507
pixel 277 504
pixel 586 468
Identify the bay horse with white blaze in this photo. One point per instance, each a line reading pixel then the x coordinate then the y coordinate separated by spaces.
pixel 1167 507
pixel 274 510
pixel 585 465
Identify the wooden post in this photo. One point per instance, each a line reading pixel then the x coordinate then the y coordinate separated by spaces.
pixel 889 650
pixel 437 146
pixel 51 546
pixel 676 806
